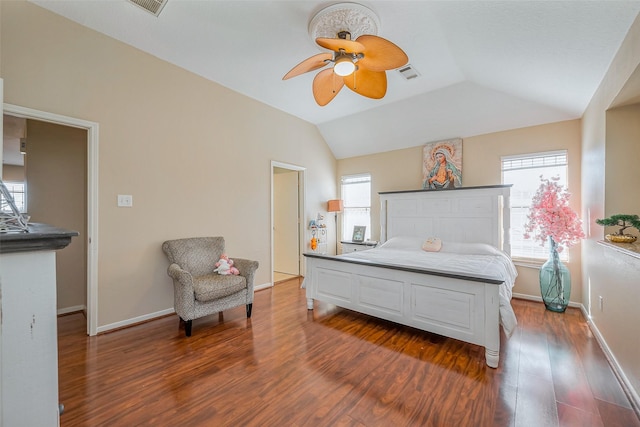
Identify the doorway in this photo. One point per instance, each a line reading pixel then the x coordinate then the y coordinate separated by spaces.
pixel 47 164
pixel 287 231
pixel 91 237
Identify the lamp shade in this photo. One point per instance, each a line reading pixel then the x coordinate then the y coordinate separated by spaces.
pixel 334 206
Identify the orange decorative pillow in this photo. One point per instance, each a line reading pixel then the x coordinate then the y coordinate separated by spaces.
pixel 432 244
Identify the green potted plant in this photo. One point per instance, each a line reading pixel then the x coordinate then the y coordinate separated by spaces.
pixel 623 221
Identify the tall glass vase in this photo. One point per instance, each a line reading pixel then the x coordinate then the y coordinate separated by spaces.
pixel 555 281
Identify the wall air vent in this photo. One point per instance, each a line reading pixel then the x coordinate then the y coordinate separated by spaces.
pixel 152 6
pixel 408 72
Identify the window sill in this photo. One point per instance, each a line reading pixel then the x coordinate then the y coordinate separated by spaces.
pixel 533 263
pixel 528 263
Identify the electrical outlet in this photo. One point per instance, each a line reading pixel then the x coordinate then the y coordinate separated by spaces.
pixel 125 201
pixel 601 303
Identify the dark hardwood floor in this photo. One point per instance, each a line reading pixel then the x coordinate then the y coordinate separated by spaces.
pixel 287 366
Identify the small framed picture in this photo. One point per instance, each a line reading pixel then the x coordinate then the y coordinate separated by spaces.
pixel 358 233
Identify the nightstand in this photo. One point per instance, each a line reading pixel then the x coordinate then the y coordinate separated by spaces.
pixel 349 246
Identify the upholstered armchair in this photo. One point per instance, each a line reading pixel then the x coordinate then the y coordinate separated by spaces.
pixel 198 290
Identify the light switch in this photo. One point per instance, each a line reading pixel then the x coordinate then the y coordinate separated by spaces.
pixel 125 201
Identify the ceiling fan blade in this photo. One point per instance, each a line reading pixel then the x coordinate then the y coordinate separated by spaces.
pixel 381 54
pixel 326 86
pixel 348 46
pixel 309 64
pixel 372 84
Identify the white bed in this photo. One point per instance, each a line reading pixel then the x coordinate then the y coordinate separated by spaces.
pixel 462 291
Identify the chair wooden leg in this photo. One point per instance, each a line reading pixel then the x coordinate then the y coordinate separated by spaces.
pixel 187 327
pixel 249 307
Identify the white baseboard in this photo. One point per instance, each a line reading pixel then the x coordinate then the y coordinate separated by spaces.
pixel 263 286
pixel 631 393
pixel 539 299
pixel 135 320
pixel 73 309
pixel 157 314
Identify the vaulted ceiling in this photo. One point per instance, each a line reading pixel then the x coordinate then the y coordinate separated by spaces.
pixel 484 66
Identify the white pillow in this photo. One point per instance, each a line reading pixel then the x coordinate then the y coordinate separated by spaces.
pixel 403 242
pixel 470 248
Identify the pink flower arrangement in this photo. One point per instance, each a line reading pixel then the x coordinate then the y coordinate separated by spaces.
pixel 551 216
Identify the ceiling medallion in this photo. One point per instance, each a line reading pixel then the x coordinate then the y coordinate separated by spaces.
pixel 352 18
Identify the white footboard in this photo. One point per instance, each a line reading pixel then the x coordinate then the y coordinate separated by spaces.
pixel 460 308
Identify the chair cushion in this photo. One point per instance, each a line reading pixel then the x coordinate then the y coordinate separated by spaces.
pixel 215 286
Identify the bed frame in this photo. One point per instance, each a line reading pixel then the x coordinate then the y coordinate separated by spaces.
pixel 454 305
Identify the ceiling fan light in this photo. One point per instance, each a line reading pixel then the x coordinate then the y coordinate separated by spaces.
pixel 344 66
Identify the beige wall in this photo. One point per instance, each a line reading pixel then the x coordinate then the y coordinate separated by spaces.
pixel 13 173
pixel 402 170
pixel 622 162
pixel 195 156
pixel 608 274
pixel 56 164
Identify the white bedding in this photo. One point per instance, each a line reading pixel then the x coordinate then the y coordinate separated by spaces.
pixel 466 259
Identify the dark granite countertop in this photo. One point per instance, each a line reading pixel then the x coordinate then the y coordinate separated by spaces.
pixel 40 237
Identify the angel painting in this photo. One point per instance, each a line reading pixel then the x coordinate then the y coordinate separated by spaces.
pixel 442 165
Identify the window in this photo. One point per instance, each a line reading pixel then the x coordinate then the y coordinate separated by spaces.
pixel 524 173
pixel 356 195
pixel 17 191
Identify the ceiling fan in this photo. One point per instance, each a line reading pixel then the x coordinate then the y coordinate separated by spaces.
pixel 359 64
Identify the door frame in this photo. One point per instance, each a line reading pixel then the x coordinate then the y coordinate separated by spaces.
pixel 92 197
pixel 301 202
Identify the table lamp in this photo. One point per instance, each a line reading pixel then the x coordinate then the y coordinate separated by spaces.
pixel 335 206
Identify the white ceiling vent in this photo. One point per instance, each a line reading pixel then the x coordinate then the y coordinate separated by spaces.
pixel 152 6
pixel 408 72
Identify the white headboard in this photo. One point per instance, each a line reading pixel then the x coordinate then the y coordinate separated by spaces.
pixel 467 214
